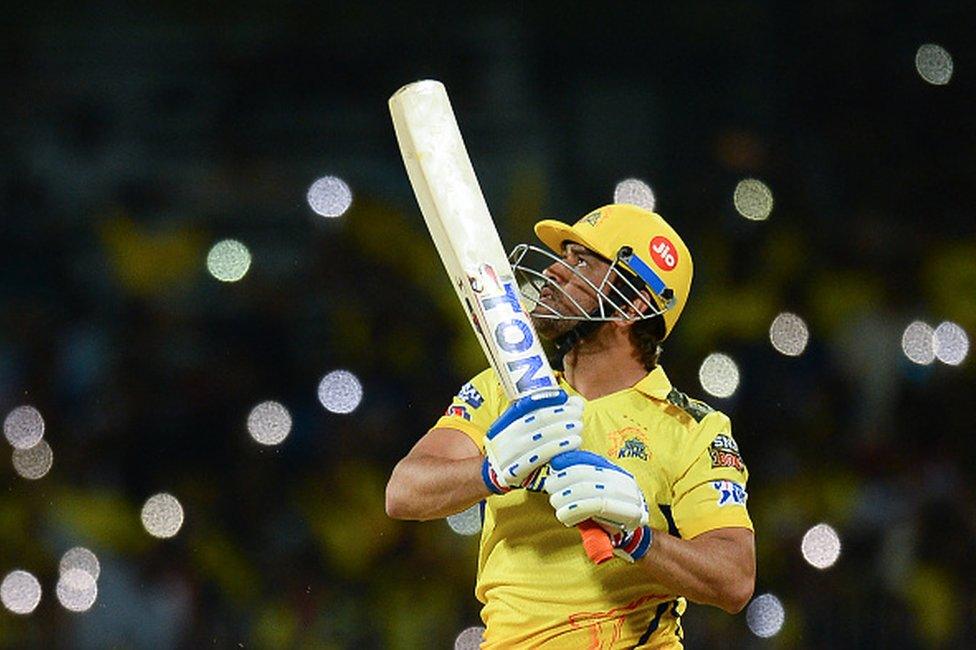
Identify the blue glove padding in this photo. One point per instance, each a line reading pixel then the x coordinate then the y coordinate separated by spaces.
pixel 528 434
pixel 583 485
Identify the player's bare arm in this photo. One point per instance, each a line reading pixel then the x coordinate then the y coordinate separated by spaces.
pixel 440 476
pixel 445 472
pixel 716 568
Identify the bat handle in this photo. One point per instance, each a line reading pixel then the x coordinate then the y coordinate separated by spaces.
pixel 595 541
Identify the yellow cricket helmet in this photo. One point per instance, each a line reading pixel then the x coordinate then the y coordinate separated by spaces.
pixel 643 242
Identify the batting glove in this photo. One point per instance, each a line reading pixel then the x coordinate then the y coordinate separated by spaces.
pixel 527 435
pixel 583 485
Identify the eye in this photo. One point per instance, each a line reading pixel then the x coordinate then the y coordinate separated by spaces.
pixel 580 262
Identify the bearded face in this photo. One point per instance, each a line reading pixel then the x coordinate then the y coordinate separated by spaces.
pixel 551 328
pixel 571 296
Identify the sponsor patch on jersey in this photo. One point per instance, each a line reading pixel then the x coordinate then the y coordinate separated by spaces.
pixel 725 453
pixel 470 395
pixel 458 411
pixel 730 493
pixel 629 442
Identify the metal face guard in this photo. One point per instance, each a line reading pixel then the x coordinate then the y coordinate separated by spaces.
pixel 612 303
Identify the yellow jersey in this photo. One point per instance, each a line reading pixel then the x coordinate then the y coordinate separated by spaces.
pixel 537 585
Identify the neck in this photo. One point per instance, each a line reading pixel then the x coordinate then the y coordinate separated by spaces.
pixel 603 363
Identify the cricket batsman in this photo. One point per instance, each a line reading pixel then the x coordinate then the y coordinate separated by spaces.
pixel 617 443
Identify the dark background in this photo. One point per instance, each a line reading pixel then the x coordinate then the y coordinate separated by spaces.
pixel 135 138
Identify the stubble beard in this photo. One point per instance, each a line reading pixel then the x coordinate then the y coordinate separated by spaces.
pixel 551 328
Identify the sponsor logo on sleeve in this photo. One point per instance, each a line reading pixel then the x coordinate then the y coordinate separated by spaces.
pixel 470 395
pixel 725 453
pixel 458 411
pixel 730 493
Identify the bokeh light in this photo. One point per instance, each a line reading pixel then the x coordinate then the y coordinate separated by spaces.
pixel 162 515
pixel 934 64
pixel 329 196
pixel 765 616
pixel 20 592
pixel 719 375
pixel 821 546
pixel 918 343
pixel 951 343
pixel 789 334
pixel 23 427
pixel 228 260
pixel 635 192
pixel 80 558
pixel 753 199
pixel 76 590
pixel 34 462
pixel 466 522
pixel 470 639
pixel 269 423
pixel 340 391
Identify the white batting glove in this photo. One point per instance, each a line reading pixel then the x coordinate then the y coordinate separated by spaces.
pixel 531 431
pixel 583 485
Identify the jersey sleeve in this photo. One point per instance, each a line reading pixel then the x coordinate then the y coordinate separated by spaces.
pixel 711 491
pixel 475 407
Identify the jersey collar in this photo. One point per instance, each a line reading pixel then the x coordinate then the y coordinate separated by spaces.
pixel 655 384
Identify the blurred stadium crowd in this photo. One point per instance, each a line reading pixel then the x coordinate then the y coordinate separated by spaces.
pixel 136 141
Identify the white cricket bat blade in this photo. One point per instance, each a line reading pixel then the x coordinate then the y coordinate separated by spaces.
pixel 458 219
pixel 461 226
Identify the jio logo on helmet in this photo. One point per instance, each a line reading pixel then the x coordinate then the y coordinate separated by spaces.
pixel 663 252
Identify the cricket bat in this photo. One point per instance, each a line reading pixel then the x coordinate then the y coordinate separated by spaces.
pixel 465 236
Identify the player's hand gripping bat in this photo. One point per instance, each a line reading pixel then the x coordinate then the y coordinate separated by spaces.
pixel 457 216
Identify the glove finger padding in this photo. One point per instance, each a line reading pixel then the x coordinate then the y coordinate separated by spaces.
pixel 533 460
pixel 583 485
pixel 518 459
pixel 531 431
pixel 615 512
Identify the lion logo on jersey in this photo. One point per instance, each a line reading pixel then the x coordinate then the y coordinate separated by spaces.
pixel 630 442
